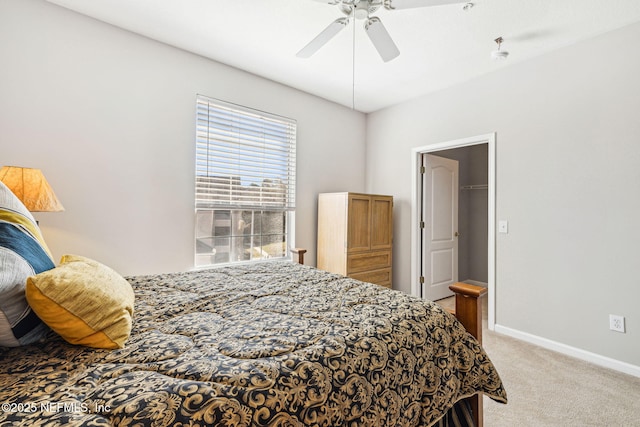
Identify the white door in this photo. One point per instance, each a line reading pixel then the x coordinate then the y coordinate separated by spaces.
pixel 440 226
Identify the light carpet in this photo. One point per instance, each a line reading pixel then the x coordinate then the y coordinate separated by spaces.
pixel 549 389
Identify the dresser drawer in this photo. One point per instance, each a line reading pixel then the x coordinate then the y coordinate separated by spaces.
pixel 368 261
pixel 379 277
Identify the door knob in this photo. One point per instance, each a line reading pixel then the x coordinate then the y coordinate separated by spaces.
pixel 457 234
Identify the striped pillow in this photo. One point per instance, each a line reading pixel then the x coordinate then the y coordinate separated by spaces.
pixel 23 253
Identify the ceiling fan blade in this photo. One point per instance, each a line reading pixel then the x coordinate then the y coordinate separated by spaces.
pixel 381 39
pixel 322 38
pixel 408 4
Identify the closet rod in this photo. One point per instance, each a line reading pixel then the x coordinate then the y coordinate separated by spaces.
pixel 474 187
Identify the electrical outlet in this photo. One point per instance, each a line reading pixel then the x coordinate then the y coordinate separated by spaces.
pixel 616 323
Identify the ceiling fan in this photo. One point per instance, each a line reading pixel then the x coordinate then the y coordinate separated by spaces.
pixel 362 10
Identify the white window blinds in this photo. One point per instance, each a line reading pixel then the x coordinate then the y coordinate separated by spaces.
pixel 244 158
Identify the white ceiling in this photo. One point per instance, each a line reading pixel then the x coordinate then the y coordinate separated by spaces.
pixel 440 46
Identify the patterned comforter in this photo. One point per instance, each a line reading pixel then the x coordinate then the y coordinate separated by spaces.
pixel 277 343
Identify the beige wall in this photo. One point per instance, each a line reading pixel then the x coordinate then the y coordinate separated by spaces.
pixel 109 116
pixel 568 182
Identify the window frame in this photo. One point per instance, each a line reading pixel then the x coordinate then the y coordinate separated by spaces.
pixel 245 162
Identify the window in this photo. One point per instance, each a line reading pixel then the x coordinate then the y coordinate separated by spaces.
pixel 245 183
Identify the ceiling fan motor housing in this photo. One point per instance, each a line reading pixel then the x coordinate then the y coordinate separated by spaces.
pixel 359 8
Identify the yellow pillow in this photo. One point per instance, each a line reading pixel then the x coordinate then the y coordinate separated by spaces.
pixel 85 302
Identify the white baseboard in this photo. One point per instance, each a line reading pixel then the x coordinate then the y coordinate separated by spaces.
pixel 476 283
pixel 594 358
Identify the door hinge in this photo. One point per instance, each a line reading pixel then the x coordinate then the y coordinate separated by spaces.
pixel 423 169
pixel 421 224
pixel 421 280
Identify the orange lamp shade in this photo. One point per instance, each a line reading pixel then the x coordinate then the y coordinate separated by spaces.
pixel 32 188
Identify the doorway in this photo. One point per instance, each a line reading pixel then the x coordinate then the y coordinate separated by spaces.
pixel 440 234
pixel 475 260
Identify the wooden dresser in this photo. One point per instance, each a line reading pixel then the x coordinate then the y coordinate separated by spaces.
pixel 355 236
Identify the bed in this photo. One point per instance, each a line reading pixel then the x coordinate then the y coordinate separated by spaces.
pixel 272 343
pixel 262 344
